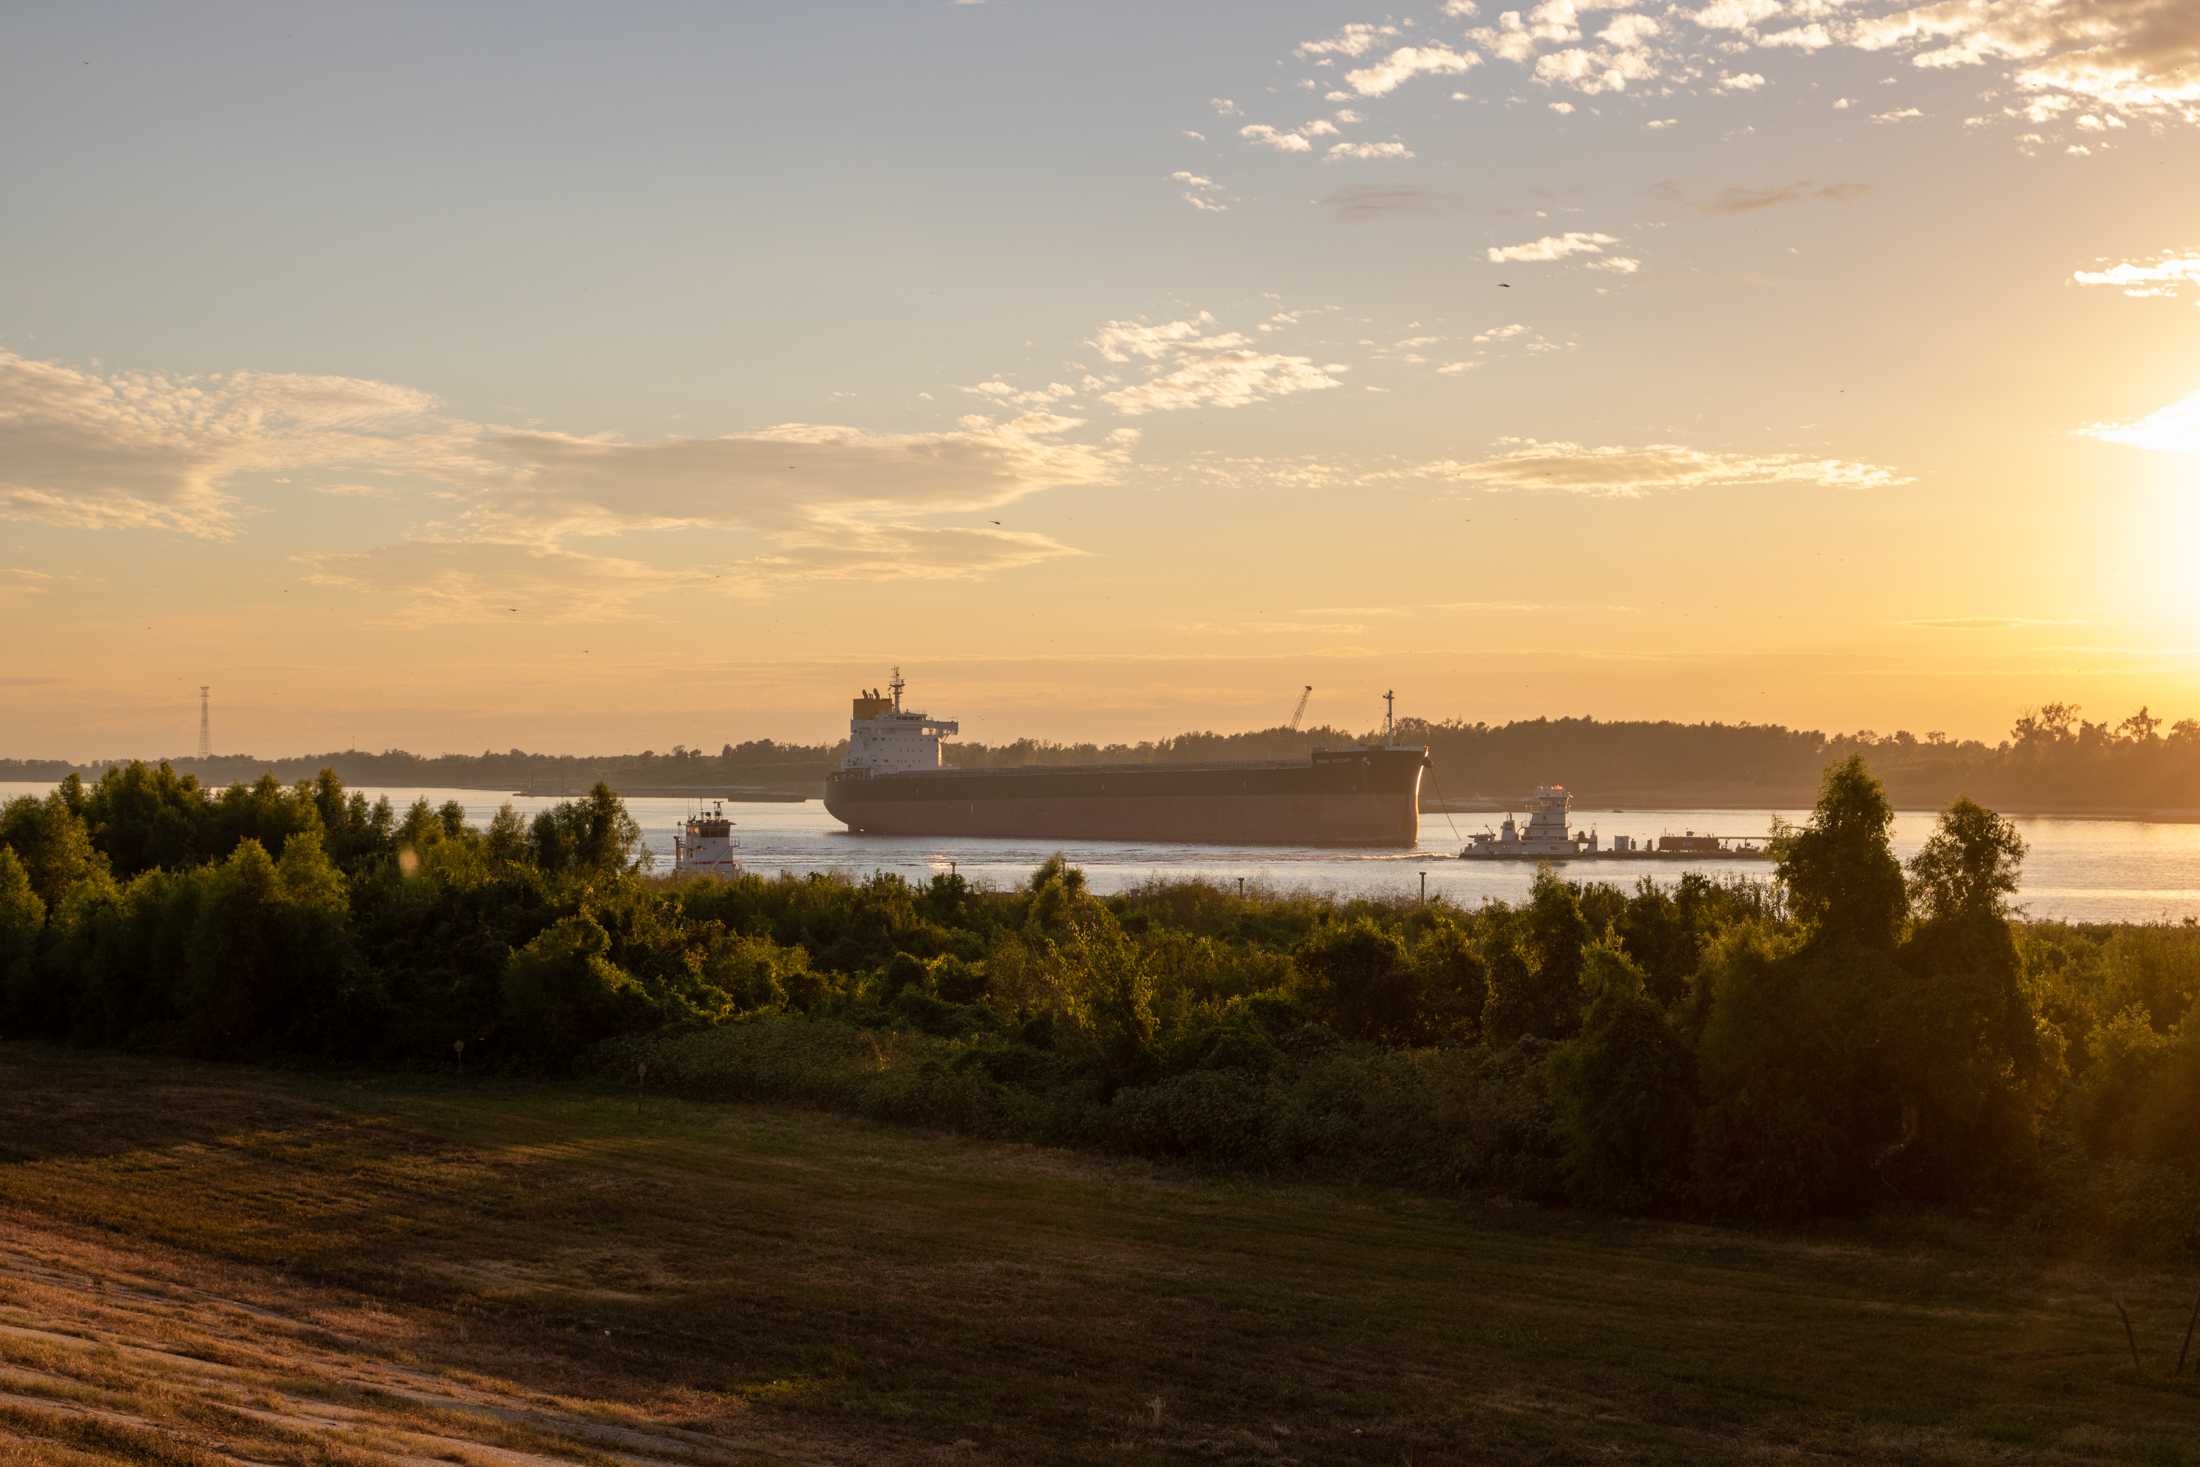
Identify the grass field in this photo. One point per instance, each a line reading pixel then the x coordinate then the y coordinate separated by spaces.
pixel 204 1265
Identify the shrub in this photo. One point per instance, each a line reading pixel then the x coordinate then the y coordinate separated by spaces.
pixel 562 992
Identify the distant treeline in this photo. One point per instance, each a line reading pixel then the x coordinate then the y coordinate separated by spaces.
pixel 2053 759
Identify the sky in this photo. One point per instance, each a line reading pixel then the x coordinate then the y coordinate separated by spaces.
pixel 584 378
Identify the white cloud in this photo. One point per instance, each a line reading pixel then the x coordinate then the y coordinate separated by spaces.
pixel 2171 429
pixel 1223 106
pixel 1370 150
pixel 1571 468
pixel 1563 109
pixel 1551 247
pixel 2134 56
pixel 1189 364
pixel 1629 30
pixel 1406 63
pixel 1658 124
pixel 1145 341
pixel 1594 72
pixel 1354 40
pixel 1747 81
pixel 1812 37
pixel 1233 378
pixel 1735 15
pixel 1200 192
pixel 2166 275
pixel 1269 137
pixel 1899 114
pixel 1616 264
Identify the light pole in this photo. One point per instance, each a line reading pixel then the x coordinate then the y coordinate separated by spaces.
pixel 1424 886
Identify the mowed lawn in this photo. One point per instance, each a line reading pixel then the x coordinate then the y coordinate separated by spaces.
pixel 203 1265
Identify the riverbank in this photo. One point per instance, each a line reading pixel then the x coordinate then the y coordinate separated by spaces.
pixel 241 1264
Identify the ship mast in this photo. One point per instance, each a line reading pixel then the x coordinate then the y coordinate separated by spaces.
pixel 897 686
pixel 1390 718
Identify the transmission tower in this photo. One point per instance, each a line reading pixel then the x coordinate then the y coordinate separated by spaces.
pixel 206 732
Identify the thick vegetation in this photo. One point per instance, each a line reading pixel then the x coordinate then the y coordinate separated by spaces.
pixel 1849 1035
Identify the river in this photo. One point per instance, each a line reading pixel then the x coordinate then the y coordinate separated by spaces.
pixel 2080 870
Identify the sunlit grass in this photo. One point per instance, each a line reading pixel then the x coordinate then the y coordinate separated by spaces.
pixel 374 1269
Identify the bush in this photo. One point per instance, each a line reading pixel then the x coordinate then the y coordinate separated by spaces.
pixel 1626 1104
pixel 562 993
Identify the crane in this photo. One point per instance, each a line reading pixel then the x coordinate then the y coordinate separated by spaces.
pixel 1300 711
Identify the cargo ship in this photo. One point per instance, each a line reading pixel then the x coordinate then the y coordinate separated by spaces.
pixel 892 782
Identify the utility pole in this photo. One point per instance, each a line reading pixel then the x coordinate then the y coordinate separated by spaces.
pixel 1424 888
pixel 206 735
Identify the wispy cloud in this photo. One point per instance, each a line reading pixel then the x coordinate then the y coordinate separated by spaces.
pixel 2171 429
pixel 1618 472
pixel 1365 203
pixel 1987 623
pixel 1748 199
pixel 148 450
pixel 2164 276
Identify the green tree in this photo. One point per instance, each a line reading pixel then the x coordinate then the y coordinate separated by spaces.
pixel 1840 870
pixel 53 844
pixel 1968 868
pixel 142 816
pixel 592 834
pixel 22 922
pixel 1532 959
pixel 506 838
pixel 271 963
pixel 1360 980
pixel 1451 987
pixel 1625 1094
pixel 1796 1107
pixel 1959 1041
pixel 563 993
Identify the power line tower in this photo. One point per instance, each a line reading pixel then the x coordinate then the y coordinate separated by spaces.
pixel 206 734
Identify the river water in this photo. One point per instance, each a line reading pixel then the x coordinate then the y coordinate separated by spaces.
pixel 2084 870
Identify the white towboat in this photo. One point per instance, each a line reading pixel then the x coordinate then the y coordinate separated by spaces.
pixel 1545 838
pixel 705 845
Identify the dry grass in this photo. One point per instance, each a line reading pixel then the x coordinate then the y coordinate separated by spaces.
pixel 216 1265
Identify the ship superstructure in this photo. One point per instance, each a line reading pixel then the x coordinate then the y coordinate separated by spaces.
pixel 892 782
pixel 704 846
pixel 884 738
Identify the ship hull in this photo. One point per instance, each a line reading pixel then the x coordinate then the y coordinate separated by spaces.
pixel 1357 798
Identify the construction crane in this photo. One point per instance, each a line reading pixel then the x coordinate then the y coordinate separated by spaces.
pixel 1300 711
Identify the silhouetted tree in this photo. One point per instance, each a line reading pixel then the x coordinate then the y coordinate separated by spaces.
pixel 1840 869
